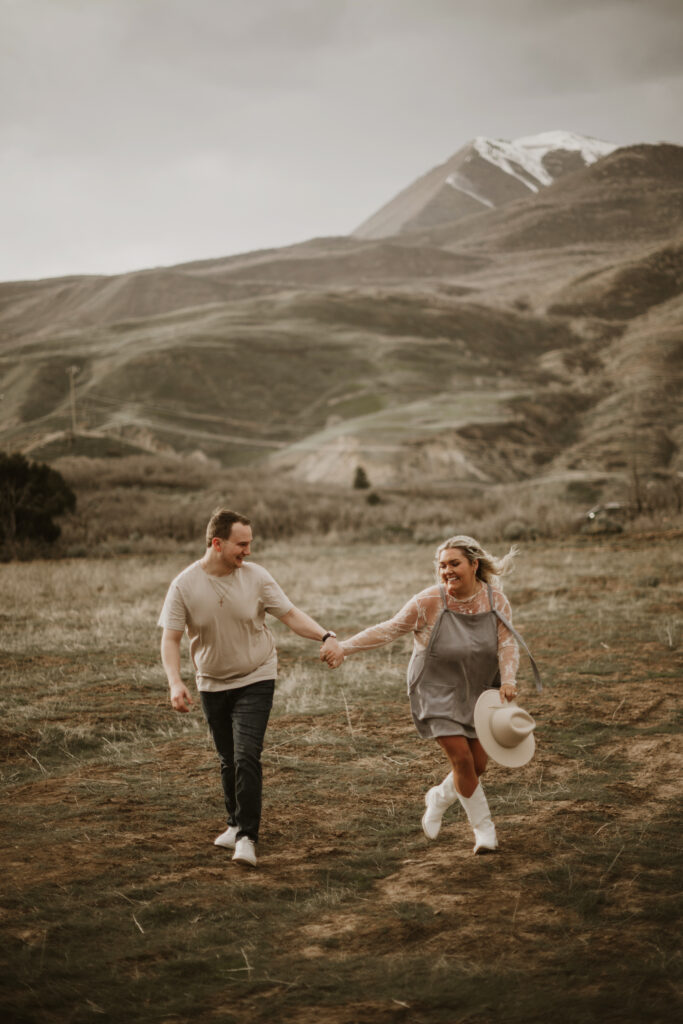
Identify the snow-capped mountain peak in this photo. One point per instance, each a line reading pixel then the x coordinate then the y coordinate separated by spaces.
pixel 526 158
pixel 484 175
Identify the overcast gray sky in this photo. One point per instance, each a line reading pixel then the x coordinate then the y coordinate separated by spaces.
pixel 136 133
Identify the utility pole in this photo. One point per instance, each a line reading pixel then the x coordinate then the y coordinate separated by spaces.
pixel 72 371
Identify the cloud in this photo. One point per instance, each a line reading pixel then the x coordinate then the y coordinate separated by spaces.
pixel 596 45
pixel 192 121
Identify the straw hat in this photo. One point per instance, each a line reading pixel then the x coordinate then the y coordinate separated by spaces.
pixel 505 731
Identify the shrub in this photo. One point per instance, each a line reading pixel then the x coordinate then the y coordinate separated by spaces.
pixel 518 530
pixel 31 495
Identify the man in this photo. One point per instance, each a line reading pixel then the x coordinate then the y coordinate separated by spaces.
pixel 221 601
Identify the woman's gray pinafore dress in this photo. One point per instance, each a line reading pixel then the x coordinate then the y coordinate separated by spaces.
pixel 460 662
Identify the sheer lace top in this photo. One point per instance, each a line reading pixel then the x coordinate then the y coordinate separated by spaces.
pixel 419 616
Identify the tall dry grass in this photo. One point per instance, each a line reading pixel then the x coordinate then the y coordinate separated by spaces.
pixel 143 504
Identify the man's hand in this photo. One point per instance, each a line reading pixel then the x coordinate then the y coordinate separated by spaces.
pixel 180 697
pixel 170 659
pixel 332 652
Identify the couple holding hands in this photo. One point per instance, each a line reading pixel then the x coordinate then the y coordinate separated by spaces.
pixel 461 676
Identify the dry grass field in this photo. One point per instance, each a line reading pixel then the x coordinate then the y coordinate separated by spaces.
pixel 116 905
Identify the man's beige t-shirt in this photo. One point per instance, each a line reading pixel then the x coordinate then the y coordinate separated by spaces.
pixel 224 616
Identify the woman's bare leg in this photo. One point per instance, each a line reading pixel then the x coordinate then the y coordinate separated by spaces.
pixel 468 761
pixel 479 756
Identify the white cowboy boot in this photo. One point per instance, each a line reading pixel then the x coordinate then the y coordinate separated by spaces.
pixel 479 816
pixel 437 800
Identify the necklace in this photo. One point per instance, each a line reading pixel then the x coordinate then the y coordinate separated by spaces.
pixel 464 600
pixel 214 587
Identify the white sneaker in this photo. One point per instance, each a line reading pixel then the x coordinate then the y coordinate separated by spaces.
pixel 245 852
pixel 227 838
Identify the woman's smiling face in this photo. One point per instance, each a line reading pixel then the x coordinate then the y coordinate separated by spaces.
pixel 457 573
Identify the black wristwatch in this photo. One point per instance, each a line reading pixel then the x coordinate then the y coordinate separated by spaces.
pixel 328 635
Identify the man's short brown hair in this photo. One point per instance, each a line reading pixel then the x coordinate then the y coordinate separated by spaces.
pixel 221 523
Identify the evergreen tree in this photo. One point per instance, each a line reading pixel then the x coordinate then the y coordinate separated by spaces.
pixel 360 481
pixel 31 495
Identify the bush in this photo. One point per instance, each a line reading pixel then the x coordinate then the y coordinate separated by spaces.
pixel 31 495
pixel 518 530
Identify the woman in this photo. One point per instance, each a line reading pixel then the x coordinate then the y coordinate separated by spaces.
pixel 463 644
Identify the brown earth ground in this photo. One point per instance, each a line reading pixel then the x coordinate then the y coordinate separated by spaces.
pixel 117 906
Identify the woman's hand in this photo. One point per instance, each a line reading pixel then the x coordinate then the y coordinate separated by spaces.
pixel 508 691
pixel 332 652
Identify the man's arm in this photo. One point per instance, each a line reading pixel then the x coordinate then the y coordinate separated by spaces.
pixel 170 659
pixel 303 625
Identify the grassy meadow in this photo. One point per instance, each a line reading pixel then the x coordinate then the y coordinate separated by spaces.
pixel 116 905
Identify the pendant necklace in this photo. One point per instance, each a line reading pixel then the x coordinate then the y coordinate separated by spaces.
pixel 215 589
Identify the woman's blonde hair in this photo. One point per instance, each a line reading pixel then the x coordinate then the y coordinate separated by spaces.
pixel 489 568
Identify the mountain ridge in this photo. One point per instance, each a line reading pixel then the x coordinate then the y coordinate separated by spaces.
pixel 505 345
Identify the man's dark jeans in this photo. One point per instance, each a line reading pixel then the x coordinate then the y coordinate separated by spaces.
pixel 237 721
